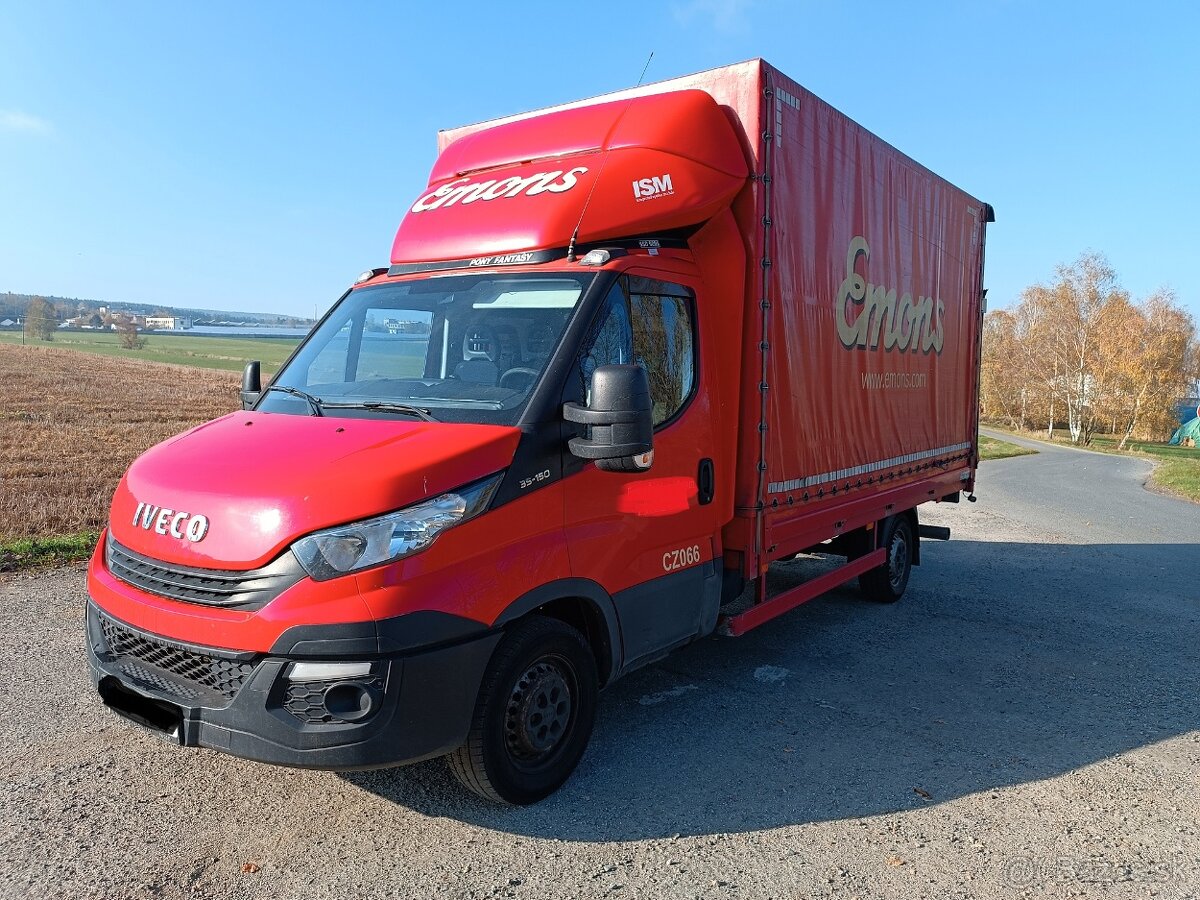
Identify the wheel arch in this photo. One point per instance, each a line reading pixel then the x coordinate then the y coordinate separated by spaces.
pixel 911 515
pixel 584 605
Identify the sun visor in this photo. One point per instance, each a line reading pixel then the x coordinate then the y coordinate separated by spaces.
pixel 650 164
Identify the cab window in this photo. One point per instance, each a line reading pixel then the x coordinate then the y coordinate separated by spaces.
pixel 650 323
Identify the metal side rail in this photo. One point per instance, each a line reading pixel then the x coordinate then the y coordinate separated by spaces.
pixel 768 609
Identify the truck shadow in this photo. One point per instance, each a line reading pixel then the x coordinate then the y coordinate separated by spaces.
pixel 1006 663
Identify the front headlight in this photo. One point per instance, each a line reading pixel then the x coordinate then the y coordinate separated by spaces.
pixel 371 542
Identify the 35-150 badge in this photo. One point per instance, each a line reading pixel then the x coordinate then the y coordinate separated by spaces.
pixel 534 479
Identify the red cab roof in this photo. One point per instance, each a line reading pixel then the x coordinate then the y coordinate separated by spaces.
pixel 649 163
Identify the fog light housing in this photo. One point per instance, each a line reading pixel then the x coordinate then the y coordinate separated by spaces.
pixel 350 701
pixel 333 693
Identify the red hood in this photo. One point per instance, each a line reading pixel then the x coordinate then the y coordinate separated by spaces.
pixel 262 480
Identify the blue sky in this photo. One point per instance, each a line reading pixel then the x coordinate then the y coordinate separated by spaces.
pixel 259 155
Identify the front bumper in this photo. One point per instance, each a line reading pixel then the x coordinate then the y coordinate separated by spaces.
pixel 419 701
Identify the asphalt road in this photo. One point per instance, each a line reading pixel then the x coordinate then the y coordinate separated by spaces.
pixel 1024 723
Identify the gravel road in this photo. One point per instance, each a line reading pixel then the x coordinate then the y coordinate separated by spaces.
pixel 1024 723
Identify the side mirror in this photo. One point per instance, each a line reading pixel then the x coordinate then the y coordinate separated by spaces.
pixel 251 383
pixel 620 420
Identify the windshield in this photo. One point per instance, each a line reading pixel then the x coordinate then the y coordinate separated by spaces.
pixel 460 348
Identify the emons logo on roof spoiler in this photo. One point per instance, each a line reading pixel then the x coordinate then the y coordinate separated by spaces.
pixel 465 191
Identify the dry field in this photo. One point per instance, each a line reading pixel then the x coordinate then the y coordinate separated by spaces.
pixel 71 423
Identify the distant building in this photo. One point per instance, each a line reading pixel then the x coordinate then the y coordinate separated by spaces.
pixel 168 323
pixel 404 326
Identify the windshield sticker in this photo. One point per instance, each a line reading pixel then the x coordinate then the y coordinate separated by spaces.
pixel 504 259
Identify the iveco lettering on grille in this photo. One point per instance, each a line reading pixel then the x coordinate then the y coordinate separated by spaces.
pixel 166 521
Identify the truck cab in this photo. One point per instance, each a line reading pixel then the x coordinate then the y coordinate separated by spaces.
pixel 409 549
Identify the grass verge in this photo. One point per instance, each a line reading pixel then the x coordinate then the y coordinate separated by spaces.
pixel 1180 477
pixel 30 553
pixel 994 448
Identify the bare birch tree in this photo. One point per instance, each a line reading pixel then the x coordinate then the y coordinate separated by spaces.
pixel 1079 348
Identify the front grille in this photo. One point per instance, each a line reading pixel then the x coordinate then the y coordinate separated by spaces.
pixel 191 669
pixel 153 678
pixel 251 589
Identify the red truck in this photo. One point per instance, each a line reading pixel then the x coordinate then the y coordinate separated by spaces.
pixel 629 352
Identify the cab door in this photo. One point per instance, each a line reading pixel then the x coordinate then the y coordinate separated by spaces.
pixel 650 538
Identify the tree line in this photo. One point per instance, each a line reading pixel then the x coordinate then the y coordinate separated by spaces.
pixel 1081 352
pixel 41 322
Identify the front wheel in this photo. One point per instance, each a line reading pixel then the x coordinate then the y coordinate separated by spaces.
pixel 534 715
pixel 886 583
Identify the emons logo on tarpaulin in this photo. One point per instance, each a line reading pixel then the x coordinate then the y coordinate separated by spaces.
pixel 649 188
pixel 867 314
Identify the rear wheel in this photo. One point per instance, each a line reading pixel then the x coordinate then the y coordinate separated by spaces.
pixel 886 583
pixel 534 715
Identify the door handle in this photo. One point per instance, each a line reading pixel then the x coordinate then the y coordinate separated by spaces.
pixel 706 481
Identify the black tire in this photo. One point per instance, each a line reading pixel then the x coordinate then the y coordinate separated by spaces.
pixel 534 715
pixel 886 583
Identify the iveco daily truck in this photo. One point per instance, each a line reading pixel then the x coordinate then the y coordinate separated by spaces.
pixel 628 353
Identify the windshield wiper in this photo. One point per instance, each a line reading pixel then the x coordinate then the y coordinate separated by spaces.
pixel 386 406
pixel 314 403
